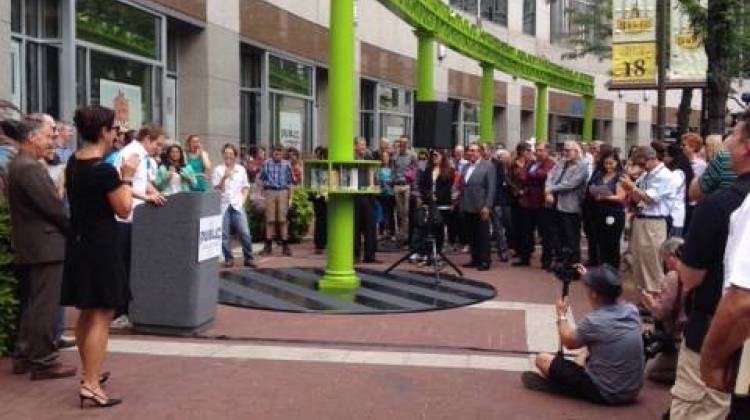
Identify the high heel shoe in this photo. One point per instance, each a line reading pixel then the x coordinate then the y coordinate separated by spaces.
pixel 99 400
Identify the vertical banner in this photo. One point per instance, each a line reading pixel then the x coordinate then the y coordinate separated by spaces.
pixel 687 61
pixel 290 129
pixel 634 41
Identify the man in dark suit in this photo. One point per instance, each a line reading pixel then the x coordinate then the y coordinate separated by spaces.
pixel 478 181
pixel 38 223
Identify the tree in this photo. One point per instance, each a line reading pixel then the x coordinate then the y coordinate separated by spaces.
pixel 725 29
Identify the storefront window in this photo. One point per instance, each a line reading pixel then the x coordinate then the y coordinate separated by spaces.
pixel 125 86
pixel 291 122
pixel 117 25
pixel 251 64
pixel 394 99
pixel 289 76
pixel 367 111
pixel 495 11
pixel 393 126
pixel 470 122
pixel 250 121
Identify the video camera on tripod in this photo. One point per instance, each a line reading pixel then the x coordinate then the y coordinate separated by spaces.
pixel 566 270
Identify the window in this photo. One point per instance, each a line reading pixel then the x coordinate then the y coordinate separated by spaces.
pixel 289 76
pixel 495 11
pixel 394 99
pixel 395 110
pixel 470 122
pixel 529 17
pixel 367 111
pixel 290 102
pixel 15 16
pixel 562 24
pixel 125 86
pixel 117 25
pixel 251 71
pixel 15 72
pixel 468 6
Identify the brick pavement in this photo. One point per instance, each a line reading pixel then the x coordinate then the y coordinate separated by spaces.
pixel 200 387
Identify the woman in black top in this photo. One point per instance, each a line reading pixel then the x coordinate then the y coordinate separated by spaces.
pixel 94 279
pixel 436 187
pixel 607 211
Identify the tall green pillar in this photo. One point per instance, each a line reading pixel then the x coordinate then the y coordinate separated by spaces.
pixel 339 273
pixel 588 118
pixel 425 65
pixel 487 104
pixel 540 113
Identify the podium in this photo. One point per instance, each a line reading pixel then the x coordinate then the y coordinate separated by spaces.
pixel 174 264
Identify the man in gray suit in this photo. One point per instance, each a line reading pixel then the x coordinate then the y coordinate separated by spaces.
pixel 565 190
pixel 477 196
pixel 38 225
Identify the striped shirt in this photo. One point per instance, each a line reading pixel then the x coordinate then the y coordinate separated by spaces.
pixel 718 174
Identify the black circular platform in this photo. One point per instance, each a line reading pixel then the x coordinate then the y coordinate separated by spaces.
pixel 295 290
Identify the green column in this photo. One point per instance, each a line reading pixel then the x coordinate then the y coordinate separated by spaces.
pixel 588 118
pixel 487 104
pixel 425 65
pixel 540 113
pixel 340 272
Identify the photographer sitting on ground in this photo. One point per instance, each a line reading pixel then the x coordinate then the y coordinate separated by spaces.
pixel 667 307
pixel 613 371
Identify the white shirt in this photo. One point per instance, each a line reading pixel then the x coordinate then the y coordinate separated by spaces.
pixel 588 159
pixel 233 186
pixel 140 178
pixel 659 187
pixel 470 169
pixel 677 200
pixel 736 261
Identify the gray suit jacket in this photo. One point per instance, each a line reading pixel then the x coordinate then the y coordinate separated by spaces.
pixel 570 189
pixel 479 191
pixel 38 217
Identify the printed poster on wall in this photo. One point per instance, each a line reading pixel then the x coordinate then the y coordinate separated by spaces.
pixel 209 238
pixel 125 99
pixel 687 61
pixel 634 41
pixel 290 129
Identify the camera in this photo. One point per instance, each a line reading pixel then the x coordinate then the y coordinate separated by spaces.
pixel 657 341
pixel 565 268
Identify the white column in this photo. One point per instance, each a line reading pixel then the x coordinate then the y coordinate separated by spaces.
pixel 644 124
pixel 209 83
pixel 619 125
pixel 513 115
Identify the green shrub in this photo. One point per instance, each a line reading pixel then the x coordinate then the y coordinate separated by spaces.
pixel 8 302
pixel 300 218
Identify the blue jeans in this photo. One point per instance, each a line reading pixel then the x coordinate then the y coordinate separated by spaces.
pixel 236 221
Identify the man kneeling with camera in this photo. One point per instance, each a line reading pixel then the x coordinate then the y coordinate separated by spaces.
pixel 613 371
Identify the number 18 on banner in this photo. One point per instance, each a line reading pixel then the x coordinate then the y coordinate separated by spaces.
pixel 634 62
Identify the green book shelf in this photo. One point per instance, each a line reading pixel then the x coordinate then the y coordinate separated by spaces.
pixel 341 177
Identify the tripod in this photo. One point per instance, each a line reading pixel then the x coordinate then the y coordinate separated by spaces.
pixel 432 241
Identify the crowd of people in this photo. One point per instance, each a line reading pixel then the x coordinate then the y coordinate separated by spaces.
pixel 663 217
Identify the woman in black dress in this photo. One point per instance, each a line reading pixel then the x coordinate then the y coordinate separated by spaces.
pixel 435 188
pixel 607 209
pixel 94 279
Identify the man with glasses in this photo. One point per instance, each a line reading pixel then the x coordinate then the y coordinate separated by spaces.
pixel 478 182
pixel 651 192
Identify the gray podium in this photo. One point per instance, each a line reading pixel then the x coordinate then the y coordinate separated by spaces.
pixel 174 268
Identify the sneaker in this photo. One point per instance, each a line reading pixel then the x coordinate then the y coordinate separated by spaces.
pixel 121 322
pixel 267 250
pixel 56 371
pixel 285 251
pixel 249 264
pixel 228 264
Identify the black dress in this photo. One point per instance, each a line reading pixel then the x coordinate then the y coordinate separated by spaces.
pixel 94 274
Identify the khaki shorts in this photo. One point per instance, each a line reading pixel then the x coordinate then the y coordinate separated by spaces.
pixel 277 205
pixel 691 398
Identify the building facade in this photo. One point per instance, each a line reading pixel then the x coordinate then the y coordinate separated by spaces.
pixel 254 72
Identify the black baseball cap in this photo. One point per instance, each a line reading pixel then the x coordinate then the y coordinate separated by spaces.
pixel 605 280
